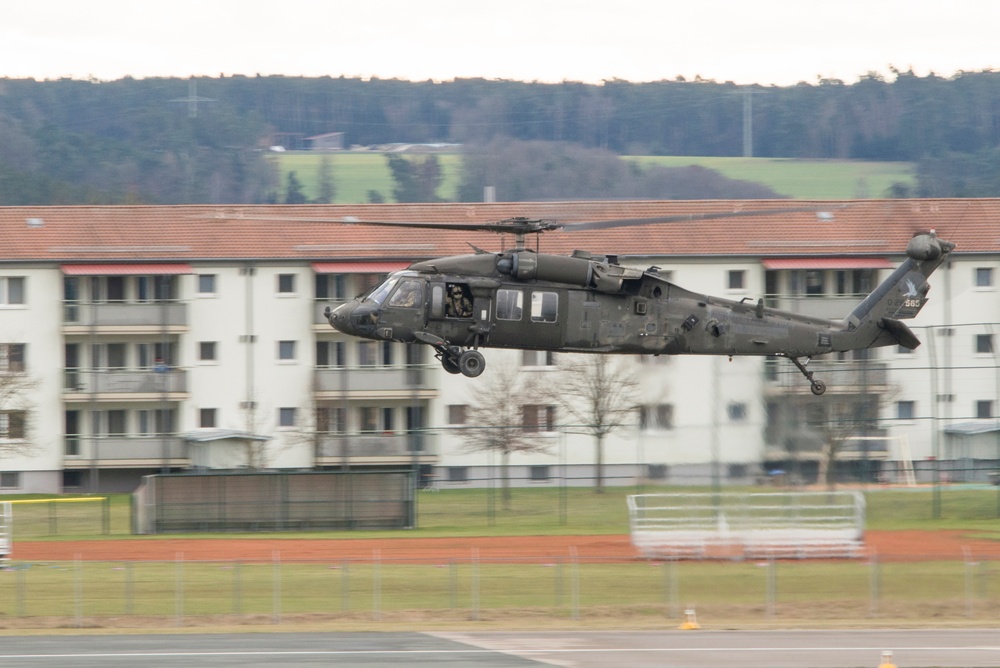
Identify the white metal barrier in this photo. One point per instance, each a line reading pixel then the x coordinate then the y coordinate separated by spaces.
pixel 6 531
pixel 728 525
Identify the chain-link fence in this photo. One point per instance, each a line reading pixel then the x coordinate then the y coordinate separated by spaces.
pixel 63 516
pixel 566 589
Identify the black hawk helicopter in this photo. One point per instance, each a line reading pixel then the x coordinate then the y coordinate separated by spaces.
pixel 528 300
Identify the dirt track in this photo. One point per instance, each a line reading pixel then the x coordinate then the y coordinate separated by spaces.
pixel 888 545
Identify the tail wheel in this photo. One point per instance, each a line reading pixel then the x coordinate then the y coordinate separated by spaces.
pixel 471 363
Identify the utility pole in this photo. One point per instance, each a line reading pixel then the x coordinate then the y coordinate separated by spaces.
pixel 192 98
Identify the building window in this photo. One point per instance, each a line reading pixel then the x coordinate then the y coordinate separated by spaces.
pixel 815 283
pixel 12 290
pixel 657 471
pixel 330 420
pixel 538 418
pixel 737 411
pixel 12 425
pixel 541 358
pixel 286 284
pixel 367 353
pixel 544 306
pixel 206 284
pixel 330 354
pixel 736 471
pixel 368 419
pixel 456 413
pixel 72 479
pixel 117 421
pixel 10 480
pixel 539 473
pixel 510 304
pixel 286 417
pixel 330 286
pixel 906 410
pixel 737 279
pixel 206 418
pixel 458 474
pixel 206 351
pixel 286 350
pixel 156 421
pixel 984 344
pixel 656 417
pixel 12 357
pixel 984 409
pixel 984 277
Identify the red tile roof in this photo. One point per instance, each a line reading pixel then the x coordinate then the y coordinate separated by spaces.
pixel 872 228
pixel 126 269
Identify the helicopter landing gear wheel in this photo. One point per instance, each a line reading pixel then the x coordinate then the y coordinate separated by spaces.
pixel 450 364
pixel 817 387
pixel 471 363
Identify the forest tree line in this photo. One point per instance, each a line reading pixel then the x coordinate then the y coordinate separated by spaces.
pixel 165 141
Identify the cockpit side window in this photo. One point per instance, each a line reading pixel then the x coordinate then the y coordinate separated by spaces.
pixel 408 295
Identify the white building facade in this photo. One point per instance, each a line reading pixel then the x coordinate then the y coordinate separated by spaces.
pixel 139 340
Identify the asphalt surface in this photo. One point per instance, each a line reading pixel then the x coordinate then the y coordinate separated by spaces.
pixel 925 648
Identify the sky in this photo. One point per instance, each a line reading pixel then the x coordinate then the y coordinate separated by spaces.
pixel 767 42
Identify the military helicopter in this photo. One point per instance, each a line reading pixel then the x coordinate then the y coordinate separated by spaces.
pixel 524 299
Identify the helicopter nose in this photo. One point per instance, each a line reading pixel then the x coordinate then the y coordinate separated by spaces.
pixel 340 317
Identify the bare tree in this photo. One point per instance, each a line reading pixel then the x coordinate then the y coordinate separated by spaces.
pixel 838 421
pixel 600 394
pixel 495 418
pixel 17 413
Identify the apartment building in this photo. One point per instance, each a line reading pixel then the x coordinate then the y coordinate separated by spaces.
pixel 139 339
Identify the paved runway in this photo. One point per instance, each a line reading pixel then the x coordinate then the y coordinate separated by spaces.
pixel 585 649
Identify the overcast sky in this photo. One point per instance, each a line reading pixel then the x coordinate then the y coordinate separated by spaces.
pixel 746 41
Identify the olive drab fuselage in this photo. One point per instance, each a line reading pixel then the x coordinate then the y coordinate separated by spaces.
pixel 525 300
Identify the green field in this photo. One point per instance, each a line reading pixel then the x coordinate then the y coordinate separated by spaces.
pixel 355 174
pixel 532 511
pixel 566 592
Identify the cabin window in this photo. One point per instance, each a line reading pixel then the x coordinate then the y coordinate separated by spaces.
pixel 510 304
pixel 544 306
pixel 437 301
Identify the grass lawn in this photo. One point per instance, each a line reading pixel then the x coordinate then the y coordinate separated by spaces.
pixel 534 511
pixel 355 174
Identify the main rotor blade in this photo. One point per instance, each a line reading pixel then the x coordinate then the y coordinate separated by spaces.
pixel 506 226
pixel 684 218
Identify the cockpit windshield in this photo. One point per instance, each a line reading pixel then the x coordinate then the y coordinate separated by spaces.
pixel 381 291
pixel 379 294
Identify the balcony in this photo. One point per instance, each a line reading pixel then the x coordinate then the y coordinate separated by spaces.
pixel 111 451
pixel 375 382
pixel 79 317
pixel 375 448
pixel 138 384
pixel 840 376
